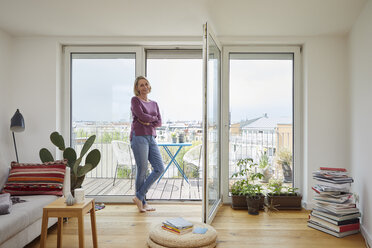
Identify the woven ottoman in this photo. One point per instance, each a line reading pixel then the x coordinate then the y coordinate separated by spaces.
pixel 159 238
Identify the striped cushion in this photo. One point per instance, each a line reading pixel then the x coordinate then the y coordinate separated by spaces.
pixel 36 179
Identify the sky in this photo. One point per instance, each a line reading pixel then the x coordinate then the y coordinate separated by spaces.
pixel 102 88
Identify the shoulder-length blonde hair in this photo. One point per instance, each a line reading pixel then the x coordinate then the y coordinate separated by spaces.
pixel 135 90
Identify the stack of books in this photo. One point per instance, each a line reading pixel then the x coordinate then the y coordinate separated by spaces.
pixel 335 211
pixel 177 225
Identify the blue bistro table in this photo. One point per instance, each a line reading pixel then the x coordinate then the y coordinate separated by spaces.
pixel 173 157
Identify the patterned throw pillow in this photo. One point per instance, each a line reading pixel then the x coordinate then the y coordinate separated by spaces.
pixel 36 179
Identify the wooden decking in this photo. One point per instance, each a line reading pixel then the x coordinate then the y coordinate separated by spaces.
pixel 166 189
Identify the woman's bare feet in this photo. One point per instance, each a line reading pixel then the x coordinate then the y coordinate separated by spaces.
pixel 148 207
pixel 138 202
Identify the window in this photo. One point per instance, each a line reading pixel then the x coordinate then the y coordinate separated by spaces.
pixel 261 113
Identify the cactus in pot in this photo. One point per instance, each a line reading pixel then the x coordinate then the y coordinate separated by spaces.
pixel 78 171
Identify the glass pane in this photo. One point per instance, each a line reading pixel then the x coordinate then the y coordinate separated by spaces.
pixel 261 111
pixel 101 89
pixel 176 81
pixel 213 106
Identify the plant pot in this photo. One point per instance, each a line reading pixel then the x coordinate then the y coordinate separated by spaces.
pixel 174 139
pixel 238 202
pixel 287 172
pixel 285 201
pixel 253 204
pixel 181 138
pixel 268 173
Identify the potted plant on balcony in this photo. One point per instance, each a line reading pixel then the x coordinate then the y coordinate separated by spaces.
pixel 78 171
pixel 284 159
pixel 265 166
pixel 283 197
pixel 174 137
pixel 246 184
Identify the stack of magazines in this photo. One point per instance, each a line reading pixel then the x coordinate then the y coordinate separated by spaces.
pixel 335 211
pixel 177 225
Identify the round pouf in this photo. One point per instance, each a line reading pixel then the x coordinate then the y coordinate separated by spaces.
pixel 159 238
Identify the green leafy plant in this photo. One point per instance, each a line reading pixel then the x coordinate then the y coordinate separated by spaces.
pixel 292 191
pixel 275 186
pixel 238 187
pixel 252 189
pixel 284 156
pixel 247 172
pixel 78 171
pixel 264 160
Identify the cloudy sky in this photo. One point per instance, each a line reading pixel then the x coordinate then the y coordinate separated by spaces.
pixel 102 88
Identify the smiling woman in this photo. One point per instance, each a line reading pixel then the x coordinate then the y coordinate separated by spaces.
pixel 146 118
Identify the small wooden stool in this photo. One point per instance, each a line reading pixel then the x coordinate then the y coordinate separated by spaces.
pixel 59 209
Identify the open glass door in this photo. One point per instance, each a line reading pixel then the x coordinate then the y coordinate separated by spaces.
pixel 211 125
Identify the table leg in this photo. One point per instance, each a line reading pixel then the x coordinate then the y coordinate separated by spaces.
pixel 81 230
pixel 166 168
pixel 44 229
pixel 93 223
pixel 174 161
pixel 59 233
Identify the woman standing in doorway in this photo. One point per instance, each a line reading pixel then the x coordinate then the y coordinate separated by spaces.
pixel 146 117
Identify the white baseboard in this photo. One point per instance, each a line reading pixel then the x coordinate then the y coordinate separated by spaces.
pixel 308 206
pixel 367 236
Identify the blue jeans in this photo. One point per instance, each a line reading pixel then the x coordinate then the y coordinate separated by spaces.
pixel 146 149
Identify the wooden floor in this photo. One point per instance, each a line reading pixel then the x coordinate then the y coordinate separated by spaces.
pixel 122 226
pixel 166 189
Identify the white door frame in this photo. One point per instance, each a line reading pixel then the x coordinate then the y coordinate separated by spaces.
pixel 297 110
pixel 64 104
pixel 206 215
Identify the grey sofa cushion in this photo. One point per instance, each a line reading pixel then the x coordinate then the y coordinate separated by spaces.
pixel 5 203
pixel 23 214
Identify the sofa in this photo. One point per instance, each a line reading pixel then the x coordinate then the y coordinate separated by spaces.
pixel 23 223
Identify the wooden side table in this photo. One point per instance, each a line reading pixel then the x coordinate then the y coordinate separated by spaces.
pixel 59 209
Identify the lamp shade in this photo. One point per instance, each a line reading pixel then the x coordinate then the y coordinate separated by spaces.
pixel 17 123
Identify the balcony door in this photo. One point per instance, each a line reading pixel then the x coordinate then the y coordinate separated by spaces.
pixel 211 125
pixel 101 86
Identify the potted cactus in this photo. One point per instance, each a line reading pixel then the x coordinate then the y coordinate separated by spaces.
pixel 78 171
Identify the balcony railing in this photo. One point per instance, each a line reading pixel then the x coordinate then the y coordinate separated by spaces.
pixel 245 144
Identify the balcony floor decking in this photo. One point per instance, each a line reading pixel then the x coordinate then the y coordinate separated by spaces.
pixel 166 189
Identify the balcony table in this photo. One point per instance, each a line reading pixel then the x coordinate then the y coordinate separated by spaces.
pixel 173 158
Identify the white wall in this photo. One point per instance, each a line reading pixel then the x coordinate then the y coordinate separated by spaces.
pixel 326 107
pixel 6 144
pixel 36 71
pixel 360 41
pixel 34 74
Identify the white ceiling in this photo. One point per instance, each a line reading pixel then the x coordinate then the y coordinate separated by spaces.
pixel 116 18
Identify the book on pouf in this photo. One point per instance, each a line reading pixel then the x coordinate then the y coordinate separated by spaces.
pixel 177 225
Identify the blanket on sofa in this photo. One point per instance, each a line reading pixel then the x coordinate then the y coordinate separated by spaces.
pixel 5 203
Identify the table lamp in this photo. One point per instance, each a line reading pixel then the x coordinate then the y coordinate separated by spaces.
pixel 17 124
